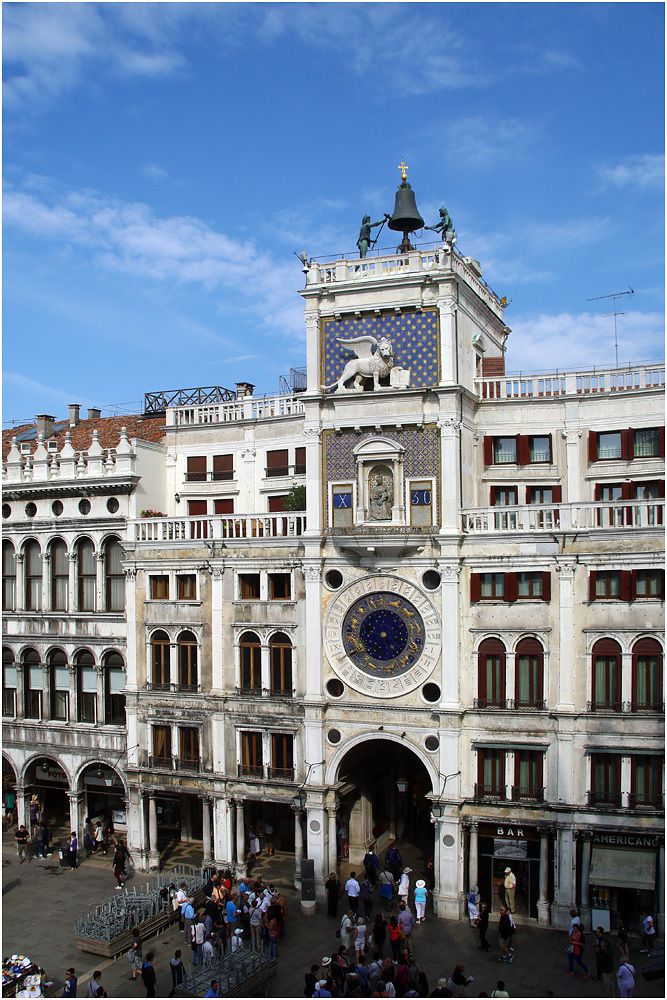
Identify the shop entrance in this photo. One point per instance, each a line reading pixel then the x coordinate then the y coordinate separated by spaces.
pixel 104 795
pixel 47 780
pixel 515 848
pixel 8 793
pixel 274 824
pixel 382 789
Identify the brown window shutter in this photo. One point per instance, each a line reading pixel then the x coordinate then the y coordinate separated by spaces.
pixel 511 587
pixel 627 444
pixel 480 762
pixel 662 584
pixel 546 586
pixel 277 460
pixel 626 491
pixel 299 461
pixel 492 496
pixel 592 446
pixel 475 588
pixel 223 466
pixel 625 585
pixel 276 504
pixel 597 491
pixel 661 442
pixel 592 579
pixel 197 508
pixel 224 506
pixel 197 468
pixel 633 585
pixel 529 494
pixel 522 449
pixel 551 448
pixel 661 489
pixel 488 450
pixel 557 492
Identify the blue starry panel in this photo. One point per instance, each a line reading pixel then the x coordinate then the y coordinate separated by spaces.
pixel 413 335
pixel 421 458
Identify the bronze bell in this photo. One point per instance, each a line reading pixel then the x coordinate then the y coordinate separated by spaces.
pixel 405 217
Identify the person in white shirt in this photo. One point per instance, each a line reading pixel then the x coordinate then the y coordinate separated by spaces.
pixel 510 887
pixel 404 885
pixel 237 940
pixel 353 889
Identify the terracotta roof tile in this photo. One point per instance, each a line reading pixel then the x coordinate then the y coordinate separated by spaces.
pixel 82 435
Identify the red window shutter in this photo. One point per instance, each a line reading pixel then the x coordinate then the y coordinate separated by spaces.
pixel 627 444
pixel 277 462
pixel 299 461
pixel 662 584
pixel 224 506
pixel 661 442
pixel 492 496
pixel 277 504
pixel 488 450
pixel 625 585
pixel 197 468
pixel 529 494
pixel 592 446
pixel 475 588
pixel 626 491
pixel 522 449
pixel 557 493
pixel 633 585
pixel 592 579
pixel 661 489
pixel 223 466
pixel 197 508
pixel 597 491
pixel 480 766
pixel 551 448
pixel 511 587
pixel 546 586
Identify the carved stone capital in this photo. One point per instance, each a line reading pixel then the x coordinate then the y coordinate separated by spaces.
pixel 311 433
pixel 449 573
pixel 217 572
pixel 565 569
pixel 312 573
pixel 451 424
pixel 130 572
pixel 247 454
pixel 571 437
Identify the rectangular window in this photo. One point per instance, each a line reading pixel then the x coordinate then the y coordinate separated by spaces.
pixel 528 781
pixel 277 463
pixel 115 699
pixel 609 492
pixel 607 585
pixel 186 587
pixel 646 443
pixel 60 694
pixel 34 707
pixel 87 694
pixel 606 683
pixel 540 448
pixel 162 746
pixel 609 445
pixel 198 509
pixel 491 774
pixel 654 490
pixel 196 469
pixel 161 656
pixel 249 586
pixel 540 495
pixel 280 586
pixel 277 506
pixel 492 586
pixel 87 577
pixel 647 682
pixel 341 499
pixel 9 685
pixel 646 782
pixel 605 779
pixel 504 450
pixel 650 584
pixel 299 461
pixel 59 578
pixel 223 467
pixel 492 680
pixel 504 496
pixel 251 666
pixel 223 506
pixel 251 754
pixel 529 680
pixel 159 588
pixel 530 585
pixel 421 504
pixel 282 756
pixel 189 745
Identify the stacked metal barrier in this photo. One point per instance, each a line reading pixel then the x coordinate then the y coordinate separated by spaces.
pixel 234 971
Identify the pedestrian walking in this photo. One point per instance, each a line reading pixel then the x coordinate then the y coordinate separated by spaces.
pixel 98 835
pixel 73 851
pixel 420 900
pixel 332 889
pixel 360 938
pixel 393 860
pixel 38 841
pixel 35 811
pixel 505 932
pixel 274 936
pixel 347 929
pixel 406 923
pixel 379 933
pixel 500 990
pixel 352 888
pixel 310 979
pixel 366 890
pixel 255 925
pixel 237 941
pixel 198 938
pixel 509 885
pixel 458 981
pixel 148 975
pixel 10 804
pixel 394 932
pixel 648 935
pixel 118 864
pixel 473 906
pixel 482 927
pixel 386 881
pixel 404 885
pixel 134 954
pixel 71 981
pixel 177 970
pixel 21 838
pixel 189 915
pixel 575 951
pixel 214 989
pixel 626 979
pixel 95 985
pixel 371 864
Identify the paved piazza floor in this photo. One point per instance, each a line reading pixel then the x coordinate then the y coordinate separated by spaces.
pixel 41 900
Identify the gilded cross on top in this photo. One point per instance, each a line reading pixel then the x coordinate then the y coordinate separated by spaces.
pixel 403 167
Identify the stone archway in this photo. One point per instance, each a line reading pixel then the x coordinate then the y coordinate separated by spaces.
pixel 101 794
pixel 45 777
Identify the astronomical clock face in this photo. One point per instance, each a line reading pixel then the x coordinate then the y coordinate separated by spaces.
pixel 382 636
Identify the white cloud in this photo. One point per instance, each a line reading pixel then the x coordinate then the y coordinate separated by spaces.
pixel 154 171
pixel 543 341
pixel 480 141
pixel 128 237
pixel 48 391
pixel 643 171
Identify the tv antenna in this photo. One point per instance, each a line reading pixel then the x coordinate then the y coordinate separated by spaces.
pixel 613 296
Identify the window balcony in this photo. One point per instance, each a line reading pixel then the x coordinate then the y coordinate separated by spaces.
pixel 251 770
pixel 538 705
pixel 249 692
pixel 646 800
pixel 160 763
pixel 493 703
pixel 490 792
pixel 174 688
pixel 604 706
pixel 645 708
pixel 520 794
pixel 613 799
pixel 598 516
pixel 281 773
pixel 209 477
pixel 194 766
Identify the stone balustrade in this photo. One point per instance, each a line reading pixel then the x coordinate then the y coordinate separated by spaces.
pixel 598 516
pixel 48 463
pixel 249 408
pixel 233 527
pixel 634 378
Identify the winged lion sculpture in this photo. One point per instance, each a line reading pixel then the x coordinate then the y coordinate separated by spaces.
pixel 375 359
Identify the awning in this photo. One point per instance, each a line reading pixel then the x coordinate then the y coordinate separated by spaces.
pixel 623 869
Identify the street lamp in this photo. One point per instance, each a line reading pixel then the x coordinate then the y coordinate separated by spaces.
pixel 402 785
pixel 299 800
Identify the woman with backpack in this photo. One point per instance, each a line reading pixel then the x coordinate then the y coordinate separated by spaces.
pixel 626 979
pixel 575 950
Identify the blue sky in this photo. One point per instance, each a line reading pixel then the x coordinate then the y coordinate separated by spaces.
pixel 163 161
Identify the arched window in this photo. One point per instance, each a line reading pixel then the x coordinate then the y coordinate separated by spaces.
pixel 59 575
pixel 647 676
pixel 606 676
pixel 529 686
pixel 251 662
pixel 33 576
pixel 8 577
pixel 281 664
pixel 87 575
pixel 114 685
pixel 114 577
pixel 187 661
pixel 59 680
pixel 491 674
pixel 34 680
pixel 86 686
pixel 9 683
pixel 160 661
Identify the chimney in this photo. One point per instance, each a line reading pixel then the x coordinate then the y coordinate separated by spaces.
pixel 74 411
pixel 244 389
pixel 45 424
pixel 94 413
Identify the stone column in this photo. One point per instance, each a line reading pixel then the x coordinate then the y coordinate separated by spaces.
pixel 312 574
pixel 313 480
pixel 265 667
pixel 46 583
pixel 332 841
pixel 75 813
pixel 217 631
pixel 222 852
pixel 473 857
pixel 566 659
pixel 240 833
pixel 312 348
pixel 626 780
pixel 298 846
pixel 447 310
pixel 134 635
pixel 449 615
pixel 572 465
pixel 450 458
pixel 73 692
pixel 315 815
pixel 71 582
pixel 448 865
pixel 100 602
pixel 19 603
pixel 22 812
pixel 20 690
pixel 565 890
pixel 100 713
pixel 510 674
pixel 153 852
pixel 206 830
pixel 136 828
pixel 173 666
pixel 661 887
pixel 585 839
pixel 543 901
